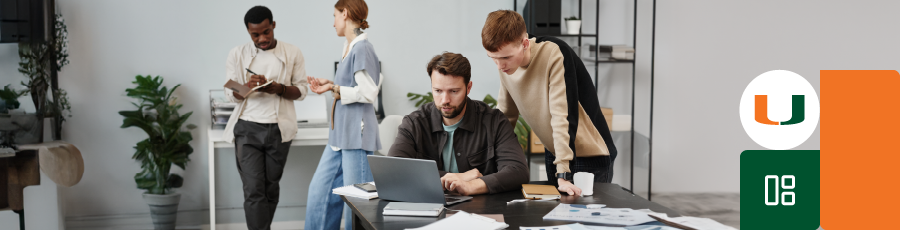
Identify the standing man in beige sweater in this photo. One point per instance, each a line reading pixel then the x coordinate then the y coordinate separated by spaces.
pixel 543 79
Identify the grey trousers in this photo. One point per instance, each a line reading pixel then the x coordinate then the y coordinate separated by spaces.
pixel 261 157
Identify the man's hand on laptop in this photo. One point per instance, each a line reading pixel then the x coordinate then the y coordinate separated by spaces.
pixel 468 188
pixel 449 178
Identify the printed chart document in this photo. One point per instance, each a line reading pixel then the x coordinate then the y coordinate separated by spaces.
pixel 598 214
pixel 590 227
pixel 690 223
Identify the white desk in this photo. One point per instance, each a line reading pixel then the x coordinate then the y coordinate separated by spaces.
pixel 305 137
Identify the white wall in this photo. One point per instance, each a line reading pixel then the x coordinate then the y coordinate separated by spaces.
pixel 707 52
pixel 186 43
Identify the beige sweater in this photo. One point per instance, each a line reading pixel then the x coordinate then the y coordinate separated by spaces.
pixel 538 93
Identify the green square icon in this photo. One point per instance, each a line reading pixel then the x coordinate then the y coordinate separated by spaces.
pixel 780 189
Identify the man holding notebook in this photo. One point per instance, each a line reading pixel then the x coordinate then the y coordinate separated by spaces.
pixel 264 122
pixel 474 145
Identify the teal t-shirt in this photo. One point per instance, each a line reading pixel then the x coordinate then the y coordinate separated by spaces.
pixel 449 158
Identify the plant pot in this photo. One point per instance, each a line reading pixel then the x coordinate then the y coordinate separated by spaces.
pixel 163 209
pixel 22 128
pixel 573 26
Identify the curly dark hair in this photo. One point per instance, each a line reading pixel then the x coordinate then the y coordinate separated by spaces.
pixel 257 15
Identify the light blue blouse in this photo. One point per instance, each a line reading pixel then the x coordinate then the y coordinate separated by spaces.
pixel 348 132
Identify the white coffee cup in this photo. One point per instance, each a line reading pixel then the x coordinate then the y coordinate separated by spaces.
pixel 584 181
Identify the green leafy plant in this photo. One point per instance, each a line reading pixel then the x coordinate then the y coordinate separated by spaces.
pixel 11 97
pixel 35 60
pixel 168 142
pixel 420 99
pixel 572 18
pixel 522 129
pixel 63 109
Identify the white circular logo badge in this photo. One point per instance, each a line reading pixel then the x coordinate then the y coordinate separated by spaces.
pixel 779 110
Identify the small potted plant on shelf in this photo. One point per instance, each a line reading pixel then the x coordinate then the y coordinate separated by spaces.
pixel 9 99
pixel 167 144
pixel 16 127
pixel 573 25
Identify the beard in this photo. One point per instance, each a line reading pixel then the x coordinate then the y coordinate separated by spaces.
pixel 454 112
pixel 271 45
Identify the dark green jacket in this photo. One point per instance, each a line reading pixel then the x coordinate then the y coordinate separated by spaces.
pixel 485 141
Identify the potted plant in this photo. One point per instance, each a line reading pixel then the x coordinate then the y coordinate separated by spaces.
pixel 167 144
pixel 522 129
pixel 9 99
pixel 39 61
pixel 573 25
pixel 16 127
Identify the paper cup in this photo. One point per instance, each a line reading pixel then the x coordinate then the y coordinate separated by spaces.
pixel 585 181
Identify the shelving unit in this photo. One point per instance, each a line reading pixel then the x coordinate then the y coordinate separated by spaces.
pixel 597 62
pixel 220 109
pixel 582 35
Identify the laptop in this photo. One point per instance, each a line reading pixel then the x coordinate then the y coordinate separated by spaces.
pixel 313 111
pixel 410 180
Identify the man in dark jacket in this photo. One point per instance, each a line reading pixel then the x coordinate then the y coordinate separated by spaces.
pixel 474 146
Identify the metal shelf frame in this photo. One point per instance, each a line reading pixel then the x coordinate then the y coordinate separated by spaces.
pixel 597 63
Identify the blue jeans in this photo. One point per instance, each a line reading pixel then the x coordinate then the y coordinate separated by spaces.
pixel 336 169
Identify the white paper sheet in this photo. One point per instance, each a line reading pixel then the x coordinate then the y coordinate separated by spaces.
pixel 598 214
pixel 464 220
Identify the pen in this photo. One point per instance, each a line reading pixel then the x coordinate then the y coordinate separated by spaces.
pixel 251 71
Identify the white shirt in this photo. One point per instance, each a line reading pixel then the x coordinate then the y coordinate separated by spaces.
pixel 260 106
pixel 365 90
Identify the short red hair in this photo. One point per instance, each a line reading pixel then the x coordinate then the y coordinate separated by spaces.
pixel 501 28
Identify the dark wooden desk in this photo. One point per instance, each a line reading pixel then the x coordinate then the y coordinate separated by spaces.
pixel 367 213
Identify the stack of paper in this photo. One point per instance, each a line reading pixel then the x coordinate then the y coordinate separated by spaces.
pixel 353 191
pixel 622 52
pixel 467 221
pixel 413 209
pixel 220 108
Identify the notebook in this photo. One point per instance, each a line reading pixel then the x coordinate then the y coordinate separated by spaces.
pixel 540 192
pixel 242 89
pixel 353 191
pixel 464 220
pixel 413 209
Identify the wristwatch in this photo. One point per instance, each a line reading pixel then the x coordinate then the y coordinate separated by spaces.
pixel 336 92
pixel 564 176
